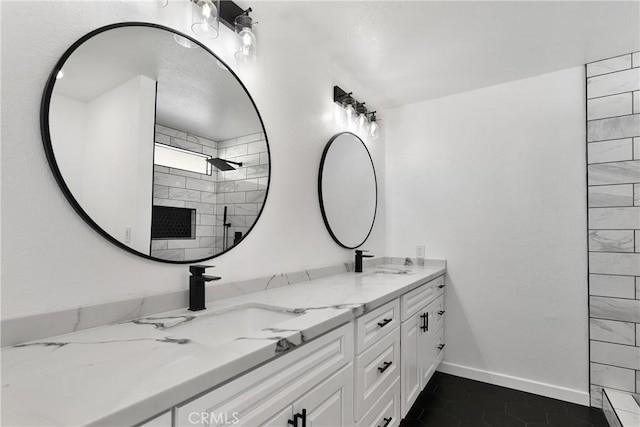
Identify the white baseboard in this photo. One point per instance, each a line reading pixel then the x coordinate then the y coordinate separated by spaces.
pixel 523 384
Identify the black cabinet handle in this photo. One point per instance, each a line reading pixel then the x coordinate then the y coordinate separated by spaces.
pixel 303 415
pixel 386 366
pixel 384 322
pixel 441 346
pixel 386 422
pixel 425 322
pixel 441 312
pixel 441 286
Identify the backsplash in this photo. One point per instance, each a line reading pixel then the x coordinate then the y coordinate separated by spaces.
pixel 241 191
pixel 613 179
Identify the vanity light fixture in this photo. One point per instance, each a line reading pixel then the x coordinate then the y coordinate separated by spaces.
pixel 246 38
pixel 356 113
pixel 205 18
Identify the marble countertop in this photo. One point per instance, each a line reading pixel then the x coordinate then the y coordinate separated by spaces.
pixel 124 373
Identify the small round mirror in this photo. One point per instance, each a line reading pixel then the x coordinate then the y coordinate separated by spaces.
pixel 348 190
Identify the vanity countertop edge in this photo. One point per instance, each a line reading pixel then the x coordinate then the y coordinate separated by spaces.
pixel 125 373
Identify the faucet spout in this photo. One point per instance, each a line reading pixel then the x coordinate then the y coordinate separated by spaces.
pixel 196 286
pixel 359 256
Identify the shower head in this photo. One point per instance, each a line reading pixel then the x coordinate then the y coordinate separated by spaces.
pixel 222 164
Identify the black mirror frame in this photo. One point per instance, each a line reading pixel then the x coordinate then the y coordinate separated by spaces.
pixel 324 215
pixel 48 147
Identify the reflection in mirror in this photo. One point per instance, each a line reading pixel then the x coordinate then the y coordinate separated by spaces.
pixel 348 191
pixel 131 130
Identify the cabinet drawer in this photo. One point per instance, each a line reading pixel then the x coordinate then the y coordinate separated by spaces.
pixel 386 411
pixel 420 297
pixel 376 370
pixel 376 324
pixel 274 385
pixel 438 347
pixel 436 314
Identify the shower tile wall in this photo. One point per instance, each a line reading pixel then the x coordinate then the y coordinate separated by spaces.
pixel 613 179
pixel 184 189
pixel 242 191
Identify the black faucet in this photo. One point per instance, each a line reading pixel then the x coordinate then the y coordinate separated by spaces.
pixel 359 257
pixel 196 286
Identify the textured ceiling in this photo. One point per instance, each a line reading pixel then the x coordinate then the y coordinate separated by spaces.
pixel 403 52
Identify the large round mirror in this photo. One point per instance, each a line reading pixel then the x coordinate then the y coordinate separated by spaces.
pixel 156 142
pixel 348 190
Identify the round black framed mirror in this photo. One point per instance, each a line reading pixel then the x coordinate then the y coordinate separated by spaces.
pixel 348 190
pixel 156 142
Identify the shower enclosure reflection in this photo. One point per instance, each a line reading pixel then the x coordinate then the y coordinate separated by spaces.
pixel 159 147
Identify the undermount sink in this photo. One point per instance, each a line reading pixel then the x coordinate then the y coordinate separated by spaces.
pixel 227 325
pixel 390 270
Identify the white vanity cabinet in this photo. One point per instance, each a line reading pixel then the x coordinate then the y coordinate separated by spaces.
pixel 422 338
pixel 314 381
pixel 377 366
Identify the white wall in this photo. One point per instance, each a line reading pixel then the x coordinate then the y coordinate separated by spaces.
pixel 51 259
pixel 494 181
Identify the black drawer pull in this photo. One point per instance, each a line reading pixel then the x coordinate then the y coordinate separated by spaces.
pixel 386 422
pixel 386 366
pixel 441 286
pixel 303 415
pixel 384 322
pixel 441 312
pixel 441 346
pixel 425 322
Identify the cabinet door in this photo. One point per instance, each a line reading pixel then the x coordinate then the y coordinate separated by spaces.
pixel 330 404
pixel 410 337
pixel 426 354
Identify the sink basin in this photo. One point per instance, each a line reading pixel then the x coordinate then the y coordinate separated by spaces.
pixel 226 325
pixel 389 270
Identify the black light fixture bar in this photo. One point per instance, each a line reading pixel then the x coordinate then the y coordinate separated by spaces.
pixel 229 11
pixel 340 96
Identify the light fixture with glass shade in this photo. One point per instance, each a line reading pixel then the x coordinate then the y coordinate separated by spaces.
pixel 247 41
pixel 356 116
pixel 374 129
pixel 205 20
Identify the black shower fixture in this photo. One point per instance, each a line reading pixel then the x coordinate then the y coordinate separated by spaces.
pixel 223 165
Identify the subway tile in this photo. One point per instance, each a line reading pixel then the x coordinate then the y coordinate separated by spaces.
pixel 207 242
pixel 240 173
pixel 183 243
pixel 264 158
pixel 614 263
pixel 637 239
pixel 638 294
pixel 201 208
pixel 626 218
pixel 635 61
pixel 263 183
pixel 170 254
pixel 595 393
pixel 247 209
pixel 210 151
pixel 624 310
pixel 204 230
pixel 610 106
pixel 199 184
pixel 614 83
pixel 611 195
pixel 249 138
pixel 612 376
pixel 226 143
pixel 612 331
pixel 225 187
pixel 220 198
pixel 236 151
pixel 624 356
pixel 235 197
pixel 636 102
pixel 636 148
pixel 257 147
pixel 163 139
pixel 247 185
pixel 162 169
pixel 251 218
pixel 171 132
pixel 199 253
pixel 184 173
pixel 636 194
pixel 256 196
pixel 610 65
pixel 613 128
pixel 611 241
pixel 169 202
pixel 611 286
pixel 249 160
pixel 237 221
pixel 207 219
pixel 161 191
pixel 206 197
pixel 610 151
pixel 184 194
pixel 168 180
pixel 261 171
pixel 638 382
pixel 614 173
pixel 157 244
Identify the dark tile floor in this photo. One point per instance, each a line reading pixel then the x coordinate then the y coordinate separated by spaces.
pixel 450 401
